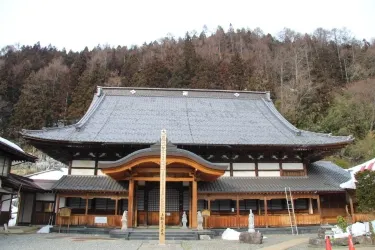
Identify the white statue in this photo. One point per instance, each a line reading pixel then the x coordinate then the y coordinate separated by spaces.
pixel 251 222
pixel 124 221
pixel 200 220
pixel 184 220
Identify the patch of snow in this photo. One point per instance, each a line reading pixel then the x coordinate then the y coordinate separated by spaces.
pixel 12 222
pixel 230 234
pixel 50 175
pixel 44 230
pixel 11 144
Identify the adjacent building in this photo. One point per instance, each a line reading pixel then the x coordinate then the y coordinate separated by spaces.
pixel 228 152
pixel 12 185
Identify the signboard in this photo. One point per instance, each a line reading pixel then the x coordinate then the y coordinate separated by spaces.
pixel 100 220
pixel 163 163
pixel 206 212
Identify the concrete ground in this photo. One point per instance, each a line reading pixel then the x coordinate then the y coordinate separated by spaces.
pixel 92 242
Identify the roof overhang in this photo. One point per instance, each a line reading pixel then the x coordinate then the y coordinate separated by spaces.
pixel 179 161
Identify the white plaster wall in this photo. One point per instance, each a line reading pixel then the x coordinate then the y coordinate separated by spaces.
pixel 83 164
pixel 244 166
pixel 82 171
pixel 268 166
pixel 268 173
pixel 244 173
pixel 293 166
pixel 5 204
pixel 45 197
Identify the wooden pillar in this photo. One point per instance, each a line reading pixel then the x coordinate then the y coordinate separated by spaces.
pixel 145 197
pixel 87 211
pixel 57 207
pixel 351 208
pixel 256 167
pixel 238 212
pixel 70 167
pixel 265 210
pixel 116 206
pixel 180 203
pixel 130 203
pixel 311 211
pixel 231 168
pixel 190 205
pixel 319 209
pixel 96 164
pixel 194 204
pixel 209 204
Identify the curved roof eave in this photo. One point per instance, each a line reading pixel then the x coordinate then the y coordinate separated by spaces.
pixel 154 150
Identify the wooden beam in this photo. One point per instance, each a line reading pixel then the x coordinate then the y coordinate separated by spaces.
pixel 319 210
pixel 311 211
pixel 171 179
pixel 184 170
pixel 94 195
pixel 57 206
pixel 265 210
pixel 194 204
pixel 116 206
pixel 130 203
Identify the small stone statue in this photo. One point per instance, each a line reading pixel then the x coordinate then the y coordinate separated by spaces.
pixel 251 222
pixel 184 220
pixel 124 221
pixel 200 220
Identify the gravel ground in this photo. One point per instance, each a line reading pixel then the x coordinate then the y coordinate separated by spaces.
pixel 92 242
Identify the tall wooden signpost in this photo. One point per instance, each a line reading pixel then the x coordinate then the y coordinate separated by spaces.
pixel 163 163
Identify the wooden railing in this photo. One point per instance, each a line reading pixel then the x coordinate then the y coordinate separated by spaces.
pixel 364 217
pixel 233 221
pixel 89 220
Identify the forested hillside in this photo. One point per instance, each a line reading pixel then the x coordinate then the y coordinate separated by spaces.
pixel 322 81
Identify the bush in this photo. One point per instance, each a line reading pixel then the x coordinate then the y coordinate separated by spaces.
pixel 342 223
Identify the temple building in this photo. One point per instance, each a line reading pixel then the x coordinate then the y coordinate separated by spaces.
pixel 227 152
pixel 15 186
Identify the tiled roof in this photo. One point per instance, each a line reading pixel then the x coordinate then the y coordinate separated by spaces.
pixel 191 117
pixel 17 154
pixel 89 183
pixel 17 182
pixel 323 176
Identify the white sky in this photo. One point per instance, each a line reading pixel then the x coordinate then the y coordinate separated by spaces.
pixel 74 24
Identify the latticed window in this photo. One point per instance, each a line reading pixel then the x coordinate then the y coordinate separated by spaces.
pixel 76 203
pixel 171 201
pixel 248 204
pixel 141 200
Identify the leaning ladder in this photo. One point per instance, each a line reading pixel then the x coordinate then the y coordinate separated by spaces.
pixel 292 215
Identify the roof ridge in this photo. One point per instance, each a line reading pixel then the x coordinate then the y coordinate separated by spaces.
pixel 285 122
pixel 96 101
pixel 186 89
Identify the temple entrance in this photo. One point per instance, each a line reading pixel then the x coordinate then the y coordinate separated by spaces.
pixel 147 204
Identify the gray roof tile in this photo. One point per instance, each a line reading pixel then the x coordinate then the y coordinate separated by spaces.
pixel 89 183
pixel 202 117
